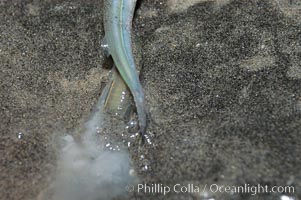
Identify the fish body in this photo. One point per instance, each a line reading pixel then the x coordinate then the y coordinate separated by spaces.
pixel 118 15
pixel 119 101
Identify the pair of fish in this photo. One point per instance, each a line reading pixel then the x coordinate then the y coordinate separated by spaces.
pixel 118 15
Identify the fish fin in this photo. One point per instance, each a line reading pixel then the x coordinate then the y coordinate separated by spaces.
pixel 105 47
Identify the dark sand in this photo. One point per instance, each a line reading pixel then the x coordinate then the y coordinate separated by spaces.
pixel 222 81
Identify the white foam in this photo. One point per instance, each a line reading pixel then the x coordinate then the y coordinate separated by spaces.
pixel 87 171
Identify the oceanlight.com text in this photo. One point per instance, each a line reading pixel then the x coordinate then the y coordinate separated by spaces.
pixel 158 188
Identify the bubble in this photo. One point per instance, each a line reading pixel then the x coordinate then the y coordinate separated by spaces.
pixel 20 135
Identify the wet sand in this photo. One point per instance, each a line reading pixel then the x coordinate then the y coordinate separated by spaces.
pixel 222 82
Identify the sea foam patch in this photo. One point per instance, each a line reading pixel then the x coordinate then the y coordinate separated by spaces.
pixel 86 169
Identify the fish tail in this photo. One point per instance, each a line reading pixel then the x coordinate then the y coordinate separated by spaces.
pixel 140 106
